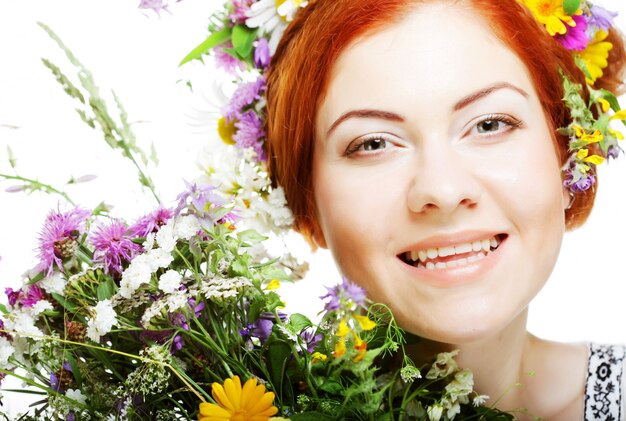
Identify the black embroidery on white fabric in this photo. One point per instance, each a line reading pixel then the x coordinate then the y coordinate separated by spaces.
pixel 603 394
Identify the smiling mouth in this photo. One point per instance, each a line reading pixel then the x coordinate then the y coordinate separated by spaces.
pixel 452 256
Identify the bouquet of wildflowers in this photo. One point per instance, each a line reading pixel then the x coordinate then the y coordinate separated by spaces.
pixel 177 315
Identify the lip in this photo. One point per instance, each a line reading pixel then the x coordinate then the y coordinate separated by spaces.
pixel 459 275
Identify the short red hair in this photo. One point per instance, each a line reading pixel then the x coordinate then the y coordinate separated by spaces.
pixel 300 69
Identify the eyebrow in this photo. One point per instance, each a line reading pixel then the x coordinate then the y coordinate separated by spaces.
pixel 464 102
pixel 366 113
pixel 386 115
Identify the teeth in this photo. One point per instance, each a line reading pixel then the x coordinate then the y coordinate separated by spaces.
pixel 480 247
pixel 432 253
pixel 463 248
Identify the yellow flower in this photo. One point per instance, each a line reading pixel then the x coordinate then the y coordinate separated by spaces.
pixel 226 130
pixel 551 14
pixel 594 137
pixel 272 285
pixel 343 329
pixel 318 357
pixel 593 159
pixel 620 115
pixel 235 403
pixel 604 105
pixel 616 134
pixel 361 348
pixel 595 56
pixel 365 322
pixel 340 347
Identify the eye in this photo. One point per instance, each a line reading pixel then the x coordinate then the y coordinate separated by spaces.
pixel 495 124
pixel 367 145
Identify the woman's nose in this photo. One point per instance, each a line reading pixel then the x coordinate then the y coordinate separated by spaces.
pixel 443 181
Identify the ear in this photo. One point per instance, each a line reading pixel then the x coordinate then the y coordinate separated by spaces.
pixel 318 236
pixel 568 198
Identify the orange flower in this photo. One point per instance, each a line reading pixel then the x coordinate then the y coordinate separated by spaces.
pixel 250 403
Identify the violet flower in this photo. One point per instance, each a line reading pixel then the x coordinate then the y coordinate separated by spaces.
pixel 240 8
pixel 613 152
pixel 575 39
pixel 581 185
pixel 345 294
pixel 262 54
pixel 262 327
pixel 243 97
pixel 202 199
pixel 33 296
pixel 58 238
pixel 249 134
pixel 151 222
pixel 225 61
pixel 310 339
pixel 13 296
pixel 155 5
pixel 113 246
pixel 601 18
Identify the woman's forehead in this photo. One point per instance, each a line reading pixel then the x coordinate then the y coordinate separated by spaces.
pixel 438 53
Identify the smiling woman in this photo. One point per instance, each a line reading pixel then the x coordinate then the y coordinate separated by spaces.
pixel 435 174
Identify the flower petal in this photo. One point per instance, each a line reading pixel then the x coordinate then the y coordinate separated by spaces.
pixel 220 396
pixel 212 410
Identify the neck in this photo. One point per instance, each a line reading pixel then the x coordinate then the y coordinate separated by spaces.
pixel 497 362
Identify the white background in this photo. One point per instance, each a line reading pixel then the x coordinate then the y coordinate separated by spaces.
pixel 136 53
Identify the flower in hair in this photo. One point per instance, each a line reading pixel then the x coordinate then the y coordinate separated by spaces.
pixel 594 58
pixel 551 14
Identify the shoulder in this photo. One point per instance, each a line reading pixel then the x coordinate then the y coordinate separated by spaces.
pixel 605 389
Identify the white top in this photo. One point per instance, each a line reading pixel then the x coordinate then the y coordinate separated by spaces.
pixel 605 392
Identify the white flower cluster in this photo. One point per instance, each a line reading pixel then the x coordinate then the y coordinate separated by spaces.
pixel 239 177
pixel 218 288
pixel 151 377
pixel 102 321
pixel 54 283
pixel 167 304
pixel 141 268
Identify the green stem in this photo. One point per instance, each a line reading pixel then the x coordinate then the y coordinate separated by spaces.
pixel 37 185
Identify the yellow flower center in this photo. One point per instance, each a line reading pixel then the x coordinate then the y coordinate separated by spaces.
pixel 546 8
pixel 226 130
pixel 239 415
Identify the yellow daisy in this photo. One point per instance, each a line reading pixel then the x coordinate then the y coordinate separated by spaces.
pixel 595 56
pixel 250 403
pixel 551 14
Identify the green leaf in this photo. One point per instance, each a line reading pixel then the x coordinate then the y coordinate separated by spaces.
pixel 332 387
pixel 239 266
pixel 75 369
pixel 279 353
pixel 299 322
pixel 571 6
pixel 243 37
pixel 216 38
pixel 611 98
pixel 3 309
pixel 68 305
pixel 106 290
pixel 251 236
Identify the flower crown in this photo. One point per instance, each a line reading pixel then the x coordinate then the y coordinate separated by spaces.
pixel 245 33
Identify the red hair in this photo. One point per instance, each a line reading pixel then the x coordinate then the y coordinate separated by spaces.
pixel 300 69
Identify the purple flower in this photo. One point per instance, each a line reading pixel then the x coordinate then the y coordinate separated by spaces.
pixel 345 294
pixel 54 382
pixel 151 222
pixel 113 246
pixel 59 238
pixel 575 38
pixel 70 417
pixel 613 152
pixel 4 334
pixel 310 339
pixel 33 296
pixel 240 8
pixel 249 134
pixel 244 96
pixel 202 199
pixel 156 5
pixel 262 327
pixel 262 54
pixel 13 296
pixel 225 61
pixel 581 185
pixel 601 18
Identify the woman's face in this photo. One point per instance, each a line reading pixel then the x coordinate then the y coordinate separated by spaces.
pixel 436 180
